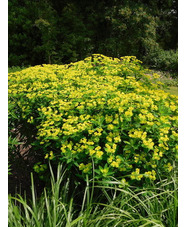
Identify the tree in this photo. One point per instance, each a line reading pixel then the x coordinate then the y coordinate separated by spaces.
pixel 52 31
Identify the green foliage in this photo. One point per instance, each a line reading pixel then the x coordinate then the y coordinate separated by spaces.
pixel 12 140
pixel 9 169
pixel 133 29
pixel 115 205
pixel 101 114
pixel 173 90
pixel 42 32
pixel 164 60
pixel 23 36
pixel 15 69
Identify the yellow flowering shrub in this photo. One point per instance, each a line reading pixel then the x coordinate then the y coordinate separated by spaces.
pixel 100 114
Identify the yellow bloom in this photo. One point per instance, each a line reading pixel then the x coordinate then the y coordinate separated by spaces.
pixel 104 171
pixel 92 152
pixel 150 174
pixel 110 127
pixel 108 119
pixel 168 167
pixel 115 164
pixel 148 143
pixel 46 156
pixel 99 154
pixel 136 175
pixel 110 158
pixel 81 166
pixel 128 113
pixel 51 155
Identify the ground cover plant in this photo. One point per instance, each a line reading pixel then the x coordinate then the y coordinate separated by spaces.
pixel 102 115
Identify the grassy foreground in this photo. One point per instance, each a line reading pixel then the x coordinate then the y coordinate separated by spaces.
pixel 116 205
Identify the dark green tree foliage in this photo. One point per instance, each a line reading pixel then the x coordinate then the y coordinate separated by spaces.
pixel 24 37
pixel 52 31
pixel 72 39
pixel 166 12
pixel 133 29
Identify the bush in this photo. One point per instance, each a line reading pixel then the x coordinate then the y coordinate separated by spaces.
pixel 165 60
pixel 99 114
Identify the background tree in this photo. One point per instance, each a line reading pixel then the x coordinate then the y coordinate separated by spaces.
pixel 52 31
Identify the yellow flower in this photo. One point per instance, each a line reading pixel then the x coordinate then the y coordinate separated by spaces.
pixel 51 155
pixel 115 164
pixel 46 156
pixel 148 143
pixel 136 158
pixel 109 139
pixel 156 76
pixel 173 107
pixel 110 158
pixel 136 175
pixel 110 127
pixel 139 177
pixel 104 171
pixel 81 166
pixel 99 154
pixel 123 183
pixel 117 139
pixel 98 148
pixel 150 174
pixel 63 148
pixel 108 119
pixel 110 149
pixel 168 167
pixel 137 170
pixel 92 152
pixel 128 113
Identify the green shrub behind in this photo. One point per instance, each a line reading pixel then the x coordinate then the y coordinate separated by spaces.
pixel 165 60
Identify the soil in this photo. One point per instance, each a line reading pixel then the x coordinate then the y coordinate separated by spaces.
pixel 19 181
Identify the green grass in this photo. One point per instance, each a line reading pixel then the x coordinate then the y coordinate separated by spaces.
pixel 172 90
pixel 171 84
pixel 102 204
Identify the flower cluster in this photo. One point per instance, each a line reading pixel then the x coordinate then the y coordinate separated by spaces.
pixel 100 110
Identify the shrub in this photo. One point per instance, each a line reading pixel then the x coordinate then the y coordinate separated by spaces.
pixel 165 60
pixel 99 114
